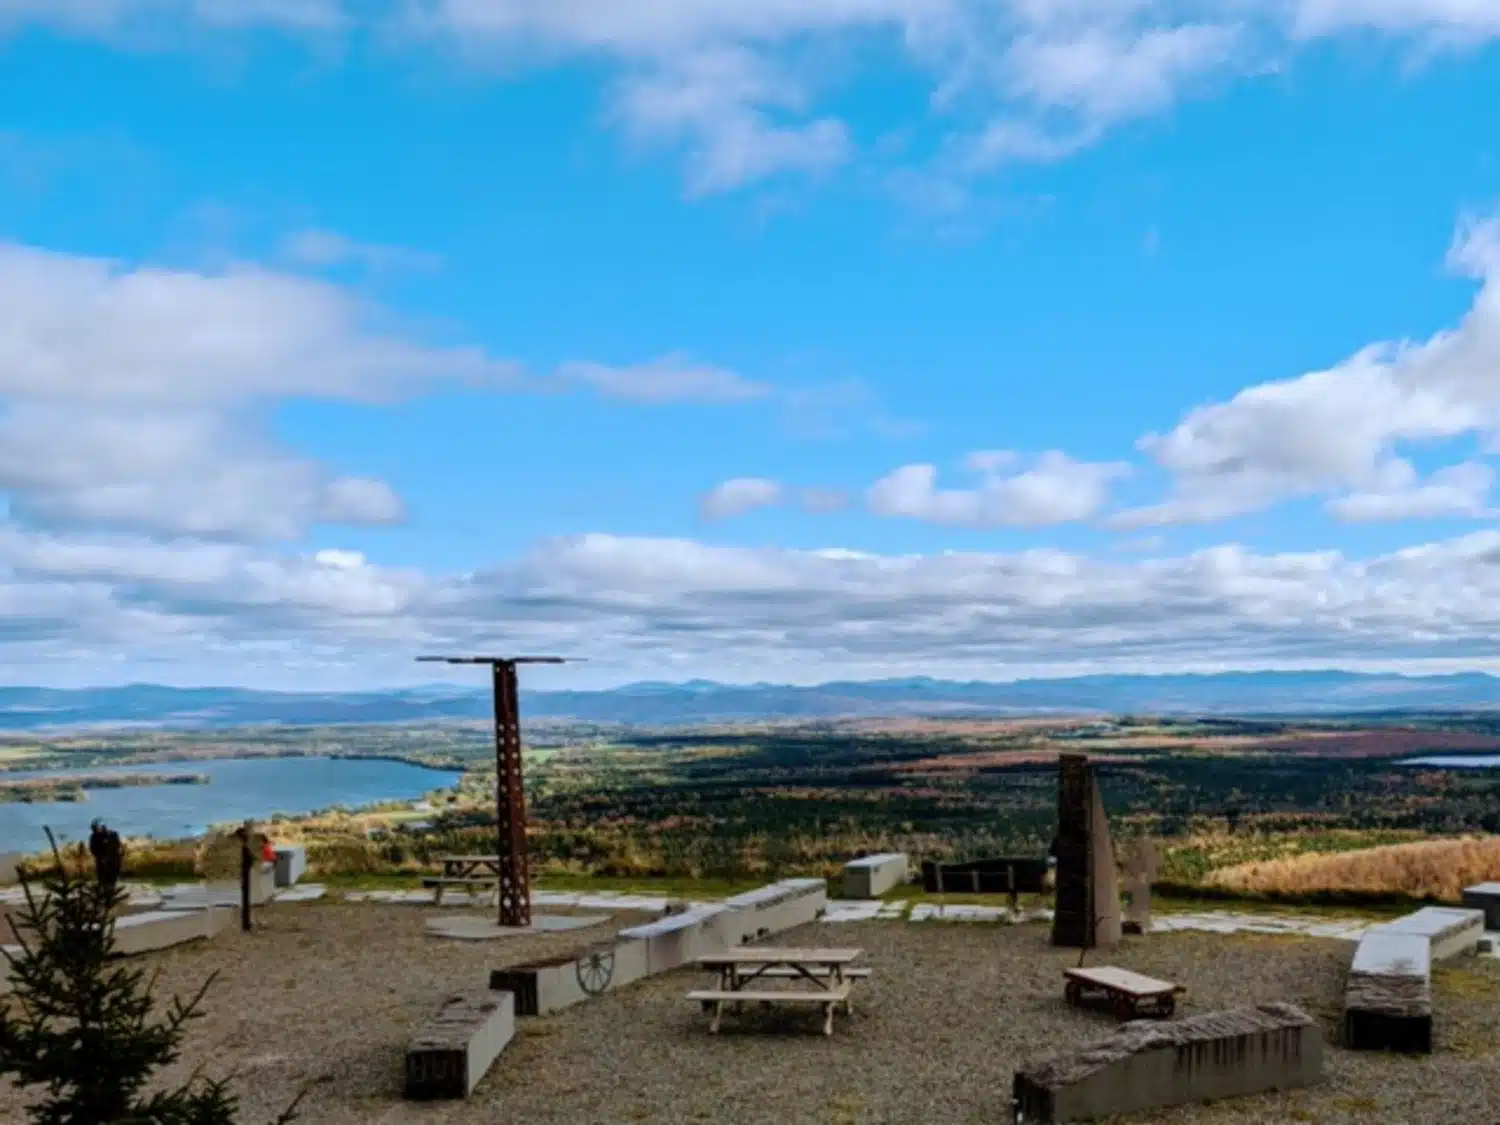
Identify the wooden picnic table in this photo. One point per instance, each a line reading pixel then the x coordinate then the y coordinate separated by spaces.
pixel 470 872
pixel 467 866
pixel 1131 995
pixel 827 971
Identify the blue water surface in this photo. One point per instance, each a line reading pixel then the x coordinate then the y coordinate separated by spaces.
pixel 1465 761
pixel 237 789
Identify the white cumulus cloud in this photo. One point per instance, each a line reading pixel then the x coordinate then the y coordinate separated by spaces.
pixel 1055 489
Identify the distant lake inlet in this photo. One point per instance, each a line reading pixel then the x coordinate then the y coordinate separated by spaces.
pixel 237 789
pixel 1457 761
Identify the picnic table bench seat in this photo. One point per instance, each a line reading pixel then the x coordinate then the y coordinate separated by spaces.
pixel 718 999
pixel 439 883
pixel 787 972
pixel 1131 995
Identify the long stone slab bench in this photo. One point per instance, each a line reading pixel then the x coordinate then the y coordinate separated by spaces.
pixel 449 1056
pixel 1152 1064
pixel 162 929
pixel 1450 931
pixel 1388 996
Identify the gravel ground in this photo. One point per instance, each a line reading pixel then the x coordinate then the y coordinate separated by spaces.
pixel 330 993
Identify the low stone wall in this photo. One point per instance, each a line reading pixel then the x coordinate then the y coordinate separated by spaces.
pixel 872 875
pixel 670 942
pixel 680 939
pixel 10 863
pixel 776 908
pixel 456 1049
pixel 1149 1064
pixel 550 985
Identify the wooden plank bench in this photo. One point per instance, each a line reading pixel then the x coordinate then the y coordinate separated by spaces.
pixel 787 972
pixel 1130 995
pixel 439 883
pixel 829 999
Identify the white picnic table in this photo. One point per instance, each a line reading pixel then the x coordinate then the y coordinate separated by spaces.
pixel 828 972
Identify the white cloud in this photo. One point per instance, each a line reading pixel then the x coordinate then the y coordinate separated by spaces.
pixel 747 494
pixel 667 380
pixel 743 87
pixel 130 397
pixel 738 496
pixel 1459 490
pixel 113 17
pixel 89 330
pixel 1339 430
pixel 321 249
pixel 1056 489
pixel 646 606
pixel 730 107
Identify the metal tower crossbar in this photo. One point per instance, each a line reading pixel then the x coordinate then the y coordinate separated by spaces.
pixel 510 796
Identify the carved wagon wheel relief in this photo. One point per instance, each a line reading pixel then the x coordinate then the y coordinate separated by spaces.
pixel 596 969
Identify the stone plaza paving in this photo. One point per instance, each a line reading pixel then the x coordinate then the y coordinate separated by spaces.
pixel 143 897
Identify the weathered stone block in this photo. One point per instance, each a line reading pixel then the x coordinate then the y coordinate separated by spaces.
pixel 449 1056
pixel 1485 897
pixel 1388 996
pixel 162 929
pixel 1149 1064
pixel 872 875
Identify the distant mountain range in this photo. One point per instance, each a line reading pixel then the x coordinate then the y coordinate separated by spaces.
pixel 699 701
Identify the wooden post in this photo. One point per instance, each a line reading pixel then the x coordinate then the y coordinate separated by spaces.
pixel 245 867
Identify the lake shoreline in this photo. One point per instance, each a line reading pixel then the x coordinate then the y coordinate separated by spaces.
pixel 282 789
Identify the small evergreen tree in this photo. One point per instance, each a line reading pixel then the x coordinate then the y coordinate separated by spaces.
pixel 83 1030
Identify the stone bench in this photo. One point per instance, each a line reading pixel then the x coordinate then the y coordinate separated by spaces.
pixel 1149 1065
pixel 449 1056
pixel 162 929
pixel 1388 996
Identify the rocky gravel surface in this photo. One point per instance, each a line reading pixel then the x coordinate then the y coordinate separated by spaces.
pixel 328 994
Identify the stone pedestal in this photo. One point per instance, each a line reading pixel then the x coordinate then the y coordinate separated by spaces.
pixel 454 1051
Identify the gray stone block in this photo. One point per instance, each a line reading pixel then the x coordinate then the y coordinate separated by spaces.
pixel 1485 897
pixel 872 875
pixel 291 864
pixel 1149 1064
pixel 449 1056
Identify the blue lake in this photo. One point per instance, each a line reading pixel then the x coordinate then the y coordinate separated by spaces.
pixel 1467 761
pixel 237 789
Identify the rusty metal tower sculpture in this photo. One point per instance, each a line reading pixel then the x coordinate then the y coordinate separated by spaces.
pixel 510 797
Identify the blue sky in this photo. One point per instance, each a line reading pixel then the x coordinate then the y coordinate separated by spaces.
pixel 763 341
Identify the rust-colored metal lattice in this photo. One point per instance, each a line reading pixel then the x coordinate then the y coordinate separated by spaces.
pixel 510 794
